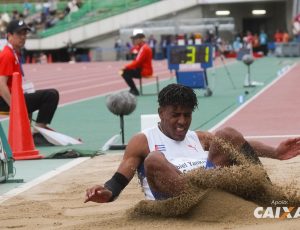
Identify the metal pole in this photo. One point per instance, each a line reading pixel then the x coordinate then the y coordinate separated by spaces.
pixel 249 76
pixel 122 128
pixel 227 71
pixel 208 92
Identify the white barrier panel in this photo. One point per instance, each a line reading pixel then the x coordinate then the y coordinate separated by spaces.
pixel 149 120
pixel 289 49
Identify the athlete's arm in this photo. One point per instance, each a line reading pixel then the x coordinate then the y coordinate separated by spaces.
pixel 285 150
pixel 135 152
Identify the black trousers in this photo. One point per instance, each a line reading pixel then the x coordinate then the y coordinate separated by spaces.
pixel 129 74
pixel 45 101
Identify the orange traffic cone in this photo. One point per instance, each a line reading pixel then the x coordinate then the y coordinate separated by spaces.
pixel 19 134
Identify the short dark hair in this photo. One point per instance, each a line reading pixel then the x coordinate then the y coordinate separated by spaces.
pixel 176 94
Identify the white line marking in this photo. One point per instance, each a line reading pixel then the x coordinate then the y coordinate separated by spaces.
pixel 120 90
pixel 3 119
pixel 105 94
pixel 250 100
pixel 273 136
pixel 40 179
pixel 111 92
pixel 97 96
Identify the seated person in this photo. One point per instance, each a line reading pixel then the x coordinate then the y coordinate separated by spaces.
pixel 45 101
pixel 141 66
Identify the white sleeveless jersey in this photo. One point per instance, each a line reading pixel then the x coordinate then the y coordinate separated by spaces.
pixel 185 155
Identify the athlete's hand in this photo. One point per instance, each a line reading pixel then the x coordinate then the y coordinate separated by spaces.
pixel 98 194
pixel 288 149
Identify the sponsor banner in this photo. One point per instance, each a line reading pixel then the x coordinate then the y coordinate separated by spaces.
pixel 279 210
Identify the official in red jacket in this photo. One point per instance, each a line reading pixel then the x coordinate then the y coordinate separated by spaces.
pixel 141 66
pixel 44 101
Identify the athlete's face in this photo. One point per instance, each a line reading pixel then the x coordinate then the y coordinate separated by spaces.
pixel 175 121
pixel 17 39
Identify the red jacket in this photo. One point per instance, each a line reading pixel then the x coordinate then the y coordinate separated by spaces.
pixel 9 64
pixel 143 61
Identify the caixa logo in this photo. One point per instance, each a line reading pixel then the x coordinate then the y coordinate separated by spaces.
pixel 277 212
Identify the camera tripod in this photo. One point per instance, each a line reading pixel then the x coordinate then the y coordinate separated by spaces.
pixel 222 58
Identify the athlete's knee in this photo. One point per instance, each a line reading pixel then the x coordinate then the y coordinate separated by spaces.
pixel 153 162
pixel 231 135
pixel 219 154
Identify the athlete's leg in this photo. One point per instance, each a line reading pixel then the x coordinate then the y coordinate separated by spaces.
pixel 162 176
pixel 221 155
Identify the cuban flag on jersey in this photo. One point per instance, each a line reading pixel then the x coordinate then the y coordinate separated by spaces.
pixel 160 148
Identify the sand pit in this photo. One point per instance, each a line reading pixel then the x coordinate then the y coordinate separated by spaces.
pixel 58 203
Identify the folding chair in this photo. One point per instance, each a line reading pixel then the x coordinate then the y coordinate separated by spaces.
pixel 141 85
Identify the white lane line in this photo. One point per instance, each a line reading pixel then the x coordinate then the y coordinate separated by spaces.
pixel 120 90
pixel 273 136
pixel 96 96
pixel 116 91
pixel 40 179
pixel 107 93
pixel 252 99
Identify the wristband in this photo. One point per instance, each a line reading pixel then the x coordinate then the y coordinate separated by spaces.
pixel 116 184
